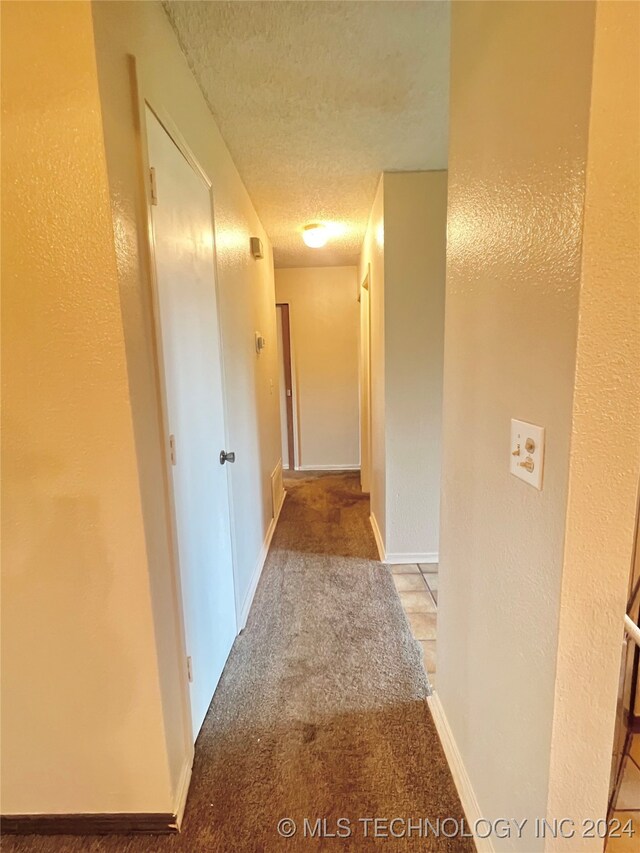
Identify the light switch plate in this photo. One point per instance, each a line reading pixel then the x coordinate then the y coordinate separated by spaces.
pixel 527 452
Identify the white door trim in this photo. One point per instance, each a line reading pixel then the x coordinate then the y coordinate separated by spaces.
pixel 294 387
pixel 144 99
pixel 141 101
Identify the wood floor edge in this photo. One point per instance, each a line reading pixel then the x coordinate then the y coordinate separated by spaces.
pixel 89 824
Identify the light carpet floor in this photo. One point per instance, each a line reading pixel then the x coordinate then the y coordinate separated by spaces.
pixel 321 710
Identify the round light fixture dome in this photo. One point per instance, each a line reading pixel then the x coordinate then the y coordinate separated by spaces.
pixel 315 235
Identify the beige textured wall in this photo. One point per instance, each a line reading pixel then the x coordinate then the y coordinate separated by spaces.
pixel 605 451
pixel 404 252
pixel 372 261
pixel 415 217
pixel 82 728
pixel 245 294
pixel 518 146
pixel 324 337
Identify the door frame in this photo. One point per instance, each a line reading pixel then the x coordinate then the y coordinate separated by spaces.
pixel 285 315
pixel 145 99
pixel 365 386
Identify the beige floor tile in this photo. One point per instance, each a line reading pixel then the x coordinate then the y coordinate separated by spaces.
pixel 432 580
pixel 634 749
pixel 429 655
pixel 423 625
pixel 625 844
pixel 404 569
pixel 417 602
pixel 409 583
pixel 428 568
pixel 629 792
pixel 435 596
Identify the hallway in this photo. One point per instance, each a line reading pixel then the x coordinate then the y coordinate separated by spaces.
pixel 321 711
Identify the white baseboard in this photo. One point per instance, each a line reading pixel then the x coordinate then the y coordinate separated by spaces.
pixel 277 489
pixel 255 577
pixel 398 559
pixel 458 771
pixel 378 537
pixel 283 495
pixel 403 559
pixel 328 468
pixel 183 790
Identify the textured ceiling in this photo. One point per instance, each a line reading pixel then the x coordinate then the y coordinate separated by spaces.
pixel 315 99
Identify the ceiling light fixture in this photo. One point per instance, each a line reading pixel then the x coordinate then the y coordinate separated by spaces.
pixel 315 235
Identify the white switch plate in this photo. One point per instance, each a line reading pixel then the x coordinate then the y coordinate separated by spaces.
pixel 527 452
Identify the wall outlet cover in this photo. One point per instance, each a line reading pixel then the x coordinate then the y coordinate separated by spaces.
pixel 526 460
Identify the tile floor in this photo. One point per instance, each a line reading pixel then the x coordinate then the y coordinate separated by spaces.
pixel 628 801
pixel 417 586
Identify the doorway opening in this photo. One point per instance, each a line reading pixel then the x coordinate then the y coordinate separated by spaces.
pixel 365 384
pixel 286 386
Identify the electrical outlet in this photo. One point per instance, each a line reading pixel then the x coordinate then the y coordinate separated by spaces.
pixel 527 452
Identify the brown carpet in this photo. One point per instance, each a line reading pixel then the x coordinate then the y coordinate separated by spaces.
pixel 321 710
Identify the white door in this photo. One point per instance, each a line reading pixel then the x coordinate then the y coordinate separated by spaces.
pixel 189 344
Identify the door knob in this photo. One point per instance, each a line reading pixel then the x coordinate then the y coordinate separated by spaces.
pixel 227 457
